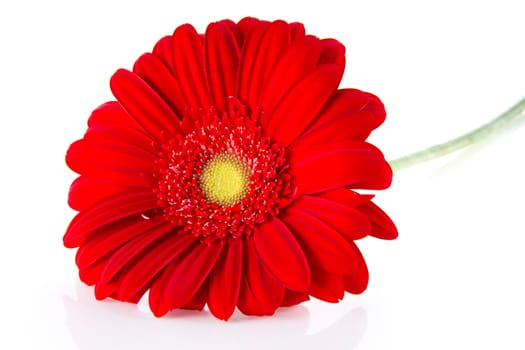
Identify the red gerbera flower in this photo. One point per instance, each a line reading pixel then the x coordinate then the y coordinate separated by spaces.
pixel 223 174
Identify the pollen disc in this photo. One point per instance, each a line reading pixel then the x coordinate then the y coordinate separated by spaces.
pixel 224 179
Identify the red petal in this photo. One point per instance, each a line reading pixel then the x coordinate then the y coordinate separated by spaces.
pixel 123 137
pixel 347 221
pixel 159 77
pixel 260 292
pixel 357 281
pixel 382 226
pixel 91 274
pixel 163 49
pixel 346 101
pixel 293 298
pixel 234 28
pixel 182 278
pixel 272 45
pixel 245 26
pixel 94 254
pixel 111 209
pixel 188 59
pixel 349 163
pixel 282 255
pixel 110 123
pixel 222 59
pixel 110 153
pixel 249 53
pixel 327 286
pixel 296 31
pixel 141 274
pixel 111 237
pixel 85 192
pixel 80 158
pixel 349 115
pixel 225 281
pixel 301 103
pixel 127 254
pixel 198 301
pixel 333 53
pixel 324 247
pixel 300 59
pixel 346 197
pixel 111 115
pixel 148 109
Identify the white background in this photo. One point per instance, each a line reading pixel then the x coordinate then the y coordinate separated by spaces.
pixel 453 280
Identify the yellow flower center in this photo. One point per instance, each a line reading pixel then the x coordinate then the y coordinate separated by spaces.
pixel 224 179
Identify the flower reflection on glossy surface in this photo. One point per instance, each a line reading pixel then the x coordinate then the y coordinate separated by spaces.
pixel 125 326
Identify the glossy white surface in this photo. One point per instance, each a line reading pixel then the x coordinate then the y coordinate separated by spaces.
pixel 453 279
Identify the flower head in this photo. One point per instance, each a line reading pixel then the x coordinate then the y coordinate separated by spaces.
pixel 224 174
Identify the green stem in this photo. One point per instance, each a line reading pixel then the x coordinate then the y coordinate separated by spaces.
pixel 511 118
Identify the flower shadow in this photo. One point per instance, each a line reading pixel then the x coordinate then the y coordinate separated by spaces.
pixel 115 325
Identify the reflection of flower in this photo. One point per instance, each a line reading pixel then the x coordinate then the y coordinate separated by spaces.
pixel 223 173
pixel 128 328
